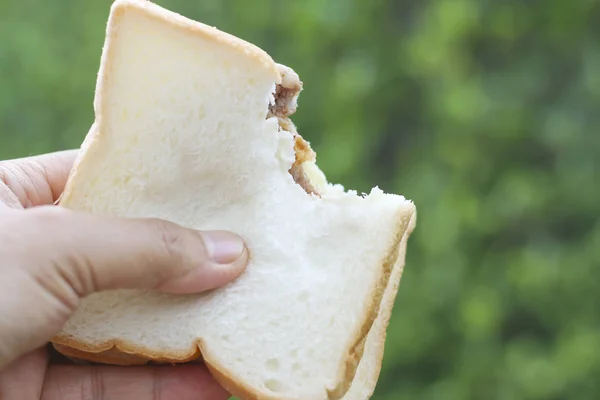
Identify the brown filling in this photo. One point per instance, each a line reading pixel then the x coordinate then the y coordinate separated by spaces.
pixel 286 97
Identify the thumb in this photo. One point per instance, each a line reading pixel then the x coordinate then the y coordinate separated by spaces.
pixel 52 257
pixel 91 253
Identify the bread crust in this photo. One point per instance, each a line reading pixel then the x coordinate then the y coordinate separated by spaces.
pixel 120 352
pixel 396 256
pixel 119 7
pixel 366 383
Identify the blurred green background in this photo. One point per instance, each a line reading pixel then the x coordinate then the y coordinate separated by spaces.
pixel 485 113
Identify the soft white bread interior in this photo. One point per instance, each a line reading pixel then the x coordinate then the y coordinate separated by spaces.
pixel 192 126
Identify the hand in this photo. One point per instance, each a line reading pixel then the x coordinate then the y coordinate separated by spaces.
pixel 51 257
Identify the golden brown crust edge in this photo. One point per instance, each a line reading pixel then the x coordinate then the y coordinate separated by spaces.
pixel 126 354
pixel 152 10
pixel 379 327
pixel 396 255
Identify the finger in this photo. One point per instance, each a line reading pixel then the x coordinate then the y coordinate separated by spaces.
pixel 184 382
pixel 90 253
pixel 23 379
pixel 8 199
pixel 37 180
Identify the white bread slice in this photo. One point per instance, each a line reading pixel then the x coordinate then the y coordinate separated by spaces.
pixel 182 133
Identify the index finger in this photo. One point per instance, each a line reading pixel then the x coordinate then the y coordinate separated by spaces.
pixel 180 382
pixel 38 180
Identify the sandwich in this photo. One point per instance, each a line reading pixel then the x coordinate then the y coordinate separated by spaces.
pixel 192 125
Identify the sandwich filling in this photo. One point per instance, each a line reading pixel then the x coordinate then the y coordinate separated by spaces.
pixel 304 170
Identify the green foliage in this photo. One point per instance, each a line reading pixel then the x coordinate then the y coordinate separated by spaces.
pixel 482 112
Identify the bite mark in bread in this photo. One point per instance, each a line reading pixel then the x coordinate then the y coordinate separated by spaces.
pixel 285 104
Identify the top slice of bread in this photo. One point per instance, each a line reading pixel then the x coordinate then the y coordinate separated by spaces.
pixel 182 133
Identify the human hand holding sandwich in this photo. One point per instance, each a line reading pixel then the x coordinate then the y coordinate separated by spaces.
pixel 52 257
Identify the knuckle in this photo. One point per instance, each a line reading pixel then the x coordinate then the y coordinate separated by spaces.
pixel 174 240
pixel 174 251
pixel 93 386
pixel 23 179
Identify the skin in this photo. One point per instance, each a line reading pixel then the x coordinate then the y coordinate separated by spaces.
pixel 51 257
